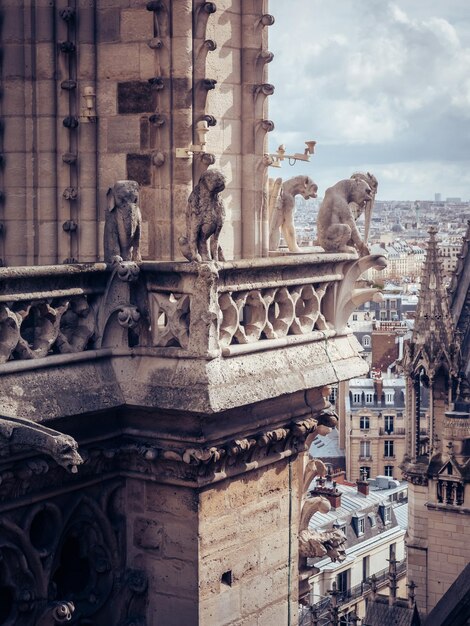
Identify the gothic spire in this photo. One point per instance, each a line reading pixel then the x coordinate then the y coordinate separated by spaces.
pixel 433 341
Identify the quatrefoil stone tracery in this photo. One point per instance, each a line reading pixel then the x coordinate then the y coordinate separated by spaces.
pixel 249 316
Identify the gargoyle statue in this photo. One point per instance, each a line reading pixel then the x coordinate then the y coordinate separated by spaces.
pixel 357 211
pixel 18 433
pixel 123 223
pixel 336 224
pixel 281 208
pixel 205 215
pixel 313 543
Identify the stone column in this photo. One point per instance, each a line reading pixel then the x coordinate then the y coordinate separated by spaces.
pixel 215 523
pixel 18 136
pixel 255 90
pixel 89 210
pixel 417 543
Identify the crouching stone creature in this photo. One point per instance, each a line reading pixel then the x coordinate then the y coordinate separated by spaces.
pixel 336 225
pixel 23 434
pixel 205 215
pixel 316 543
pixel 281 205
pixel 123 222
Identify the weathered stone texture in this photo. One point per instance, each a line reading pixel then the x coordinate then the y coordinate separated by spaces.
pixel 138 168
pixel 136 25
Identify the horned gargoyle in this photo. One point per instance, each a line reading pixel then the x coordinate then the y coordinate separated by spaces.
pixel 18 434
pixel 281 208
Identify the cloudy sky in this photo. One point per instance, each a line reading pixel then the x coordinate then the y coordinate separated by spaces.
pixel 382 86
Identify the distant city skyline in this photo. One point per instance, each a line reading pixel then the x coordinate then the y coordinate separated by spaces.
pixel 381 86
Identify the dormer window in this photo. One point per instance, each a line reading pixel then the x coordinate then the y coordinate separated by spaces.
pixel 359 525
pixel 386 513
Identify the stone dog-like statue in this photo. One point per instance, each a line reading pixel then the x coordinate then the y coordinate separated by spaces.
pixel 282 203
pixel 336 225
pixel 122 227
pixel 205 215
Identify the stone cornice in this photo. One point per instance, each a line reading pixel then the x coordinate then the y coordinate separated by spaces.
pixel 192 465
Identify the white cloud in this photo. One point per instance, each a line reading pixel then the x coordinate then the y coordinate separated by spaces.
pixel 390 74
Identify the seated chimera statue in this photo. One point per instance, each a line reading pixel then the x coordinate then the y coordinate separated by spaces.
pixel 336 223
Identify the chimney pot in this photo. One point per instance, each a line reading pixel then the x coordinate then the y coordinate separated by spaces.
pixel 363 487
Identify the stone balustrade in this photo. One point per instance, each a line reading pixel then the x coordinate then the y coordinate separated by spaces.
pixel 248 314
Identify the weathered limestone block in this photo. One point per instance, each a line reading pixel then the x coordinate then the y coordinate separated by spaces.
pixel 136 25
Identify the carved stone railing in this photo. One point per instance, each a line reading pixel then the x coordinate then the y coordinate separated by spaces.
pixel 247 306
pixel 48 310
pixel 203 310
pixel 195 313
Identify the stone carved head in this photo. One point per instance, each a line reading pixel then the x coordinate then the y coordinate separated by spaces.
pixel 123 193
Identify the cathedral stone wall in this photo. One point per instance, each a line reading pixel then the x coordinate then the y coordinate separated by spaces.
pixel 448 550
pixel 249 549
pixel 156 73
pixel 417 546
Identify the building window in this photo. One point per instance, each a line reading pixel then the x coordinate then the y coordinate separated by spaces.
pixel 389 397
pixel 386 513
pixel 388 447
pixel 342 582
pixel 354 317
pixel 364 422
pixel 366 341
pixel 383 315
pixel 359 524
pixel 364 470
pixel 388 471
pixel 365 568
pixel 388 424
pixel 365 448
pixel 333 394
pixel 357 398
pixel 369 398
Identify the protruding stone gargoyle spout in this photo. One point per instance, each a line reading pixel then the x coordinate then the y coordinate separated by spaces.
pixel 205 216
pixel 281 208
pixel 313 543
pixel 18 434
pixel 341 206
pixel 123 223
